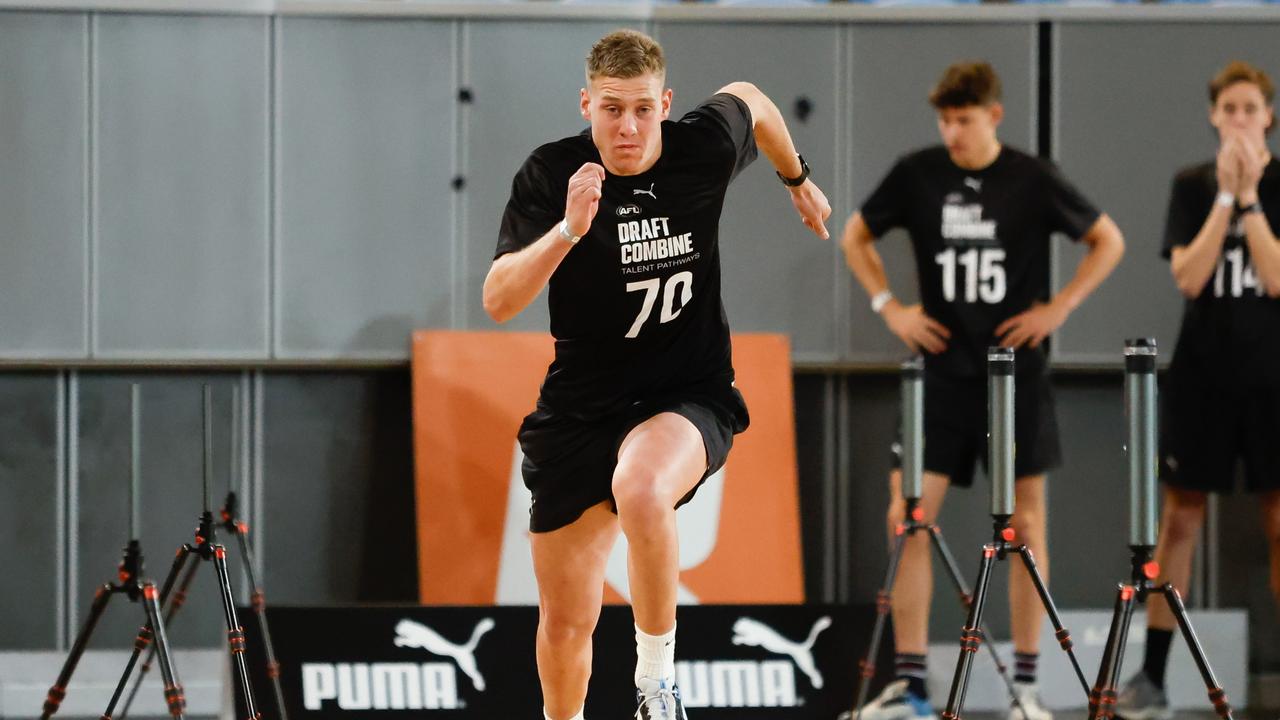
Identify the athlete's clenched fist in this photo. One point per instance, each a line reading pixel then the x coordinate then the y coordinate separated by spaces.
pixel 585 188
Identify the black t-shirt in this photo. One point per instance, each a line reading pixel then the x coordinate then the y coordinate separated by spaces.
pixel 635 307
pixel 1230 333
pixel 981 242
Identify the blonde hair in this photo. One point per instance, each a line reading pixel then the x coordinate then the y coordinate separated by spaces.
pixel 625 54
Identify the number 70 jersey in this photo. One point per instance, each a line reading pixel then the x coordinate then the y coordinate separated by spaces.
pixel 635 306
pixel 981 242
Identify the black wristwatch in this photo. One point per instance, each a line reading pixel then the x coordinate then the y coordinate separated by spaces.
pixel 1252 207
pixel 796 181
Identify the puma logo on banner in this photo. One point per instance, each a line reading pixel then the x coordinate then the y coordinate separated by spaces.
pixel 753 632
pixel 649 192
pixel 415 634
pixel 398 685
pixel 752 683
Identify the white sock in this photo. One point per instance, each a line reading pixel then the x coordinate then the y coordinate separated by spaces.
pixel 575 717
pixel 656 656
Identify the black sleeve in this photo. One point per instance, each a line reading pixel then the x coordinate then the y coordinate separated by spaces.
pixel 1183 220
pixel 1070 212
pixel 732 116
pixel 531 210
pixel 889 205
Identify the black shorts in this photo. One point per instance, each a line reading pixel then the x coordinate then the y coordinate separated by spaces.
pixel 1206 428
pixel 955 427
pixel 569 462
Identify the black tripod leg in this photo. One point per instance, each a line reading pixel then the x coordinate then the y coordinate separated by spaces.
pixel 175 603
pixel 235 634
pixel 1109 695
pixel 1103 696
pixel 1060 632
pixel 260 611
pixel 867 668
pixel 173 693
pixel 953 569
pixel 1216 694
pixel 143 641
pixel 59 690
pixel 970 637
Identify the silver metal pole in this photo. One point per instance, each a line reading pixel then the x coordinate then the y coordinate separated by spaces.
pixel 912 427
pixel 135 456
pixel 208 443
pixel 1140 410
pixel 1000 429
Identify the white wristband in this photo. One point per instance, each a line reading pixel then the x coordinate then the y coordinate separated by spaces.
pixel 880 299
pixel 1225 199
pixel 564 233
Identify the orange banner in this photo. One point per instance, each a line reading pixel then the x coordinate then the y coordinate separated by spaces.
pixel 740 537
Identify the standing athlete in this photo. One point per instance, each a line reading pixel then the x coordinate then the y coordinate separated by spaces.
pixel 1222 392
pixel 638 407
pixel 980 215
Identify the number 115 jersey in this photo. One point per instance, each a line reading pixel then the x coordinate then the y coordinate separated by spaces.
pixel 981 243
pixel 635 306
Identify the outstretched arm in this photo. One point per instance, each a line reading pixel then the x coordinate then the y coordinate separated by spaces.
pixel 775 142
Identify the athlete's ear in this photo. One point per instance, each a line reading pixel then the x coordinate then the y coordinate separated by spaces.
pixel 666 103
pixel 997 113
pixel 584 104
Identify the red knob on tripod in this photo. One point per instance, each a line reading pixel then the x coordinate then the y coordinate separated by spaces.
pixel 1151 570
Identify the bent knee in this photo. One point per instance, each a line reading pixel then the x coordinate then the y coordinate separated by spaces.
pixel 562 630
pixel 637 492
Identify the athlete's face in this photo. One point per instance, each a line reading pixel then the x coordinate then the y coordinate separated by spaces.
pixel 626 117
pixel 1242 109
pixel 969 133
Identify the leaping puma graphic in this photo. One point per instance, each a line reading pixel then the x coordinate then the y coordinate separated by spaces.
pixel 415 634
pixel 747 631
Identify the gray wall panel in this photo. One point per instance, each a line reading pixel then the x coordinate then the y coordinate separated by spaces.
pixel 43 254
pixel 171 472
pixel 1131 109
pixel 778 276
pixel 526 76
pixel 366 135
pixel 890 117
pixel 28 509
pixel 338 488
pixel 181 186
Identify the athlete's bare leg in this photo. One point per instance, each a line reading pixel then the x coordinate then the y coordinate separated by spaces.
pixel 1025 609
pixel 569 564
pixel 1179 532
pixel 913 586
pixel 659 461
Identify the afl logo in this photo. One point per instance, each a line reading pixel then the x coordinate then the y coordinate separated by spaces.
pixel 628 210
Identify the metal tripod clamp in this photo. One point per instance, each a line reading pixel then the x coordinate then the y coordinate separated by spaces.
pixel 1140 411
pixel 1000 431
pixel 912 428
